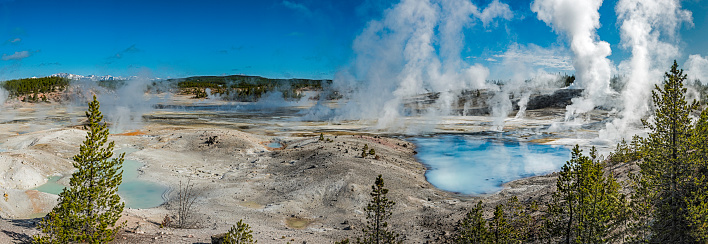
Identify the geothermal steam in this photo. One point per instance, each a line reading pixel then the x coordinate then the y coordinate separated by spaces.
pixel 396 59
pixel 697 68
pixel 124 108
pixel 579 20
pixel 648 29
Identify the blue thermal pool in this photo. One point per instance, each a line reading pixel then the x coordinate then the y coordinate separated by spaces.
pixel 471 165
pixel 274 144
pixel 136 193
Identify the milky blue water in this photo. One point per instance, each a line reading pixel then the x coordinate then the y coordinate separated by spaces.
pixel 471 165
pixel 51 186
pixel 274 144
pixel 136 192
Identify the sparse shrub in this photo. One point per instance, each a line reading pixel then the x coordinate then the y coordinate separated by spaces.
pixel 321 137
pixel 186 214
pixel 166 221
pixel 239 234
pixel 345 241
pixel 212 140
pixel 372 152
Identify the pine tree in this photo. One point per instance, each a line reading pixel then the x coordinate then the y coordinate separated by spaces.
pixel 512 223
pixel 473 227
pixel 519 218
pixel 586 206
pixel 90 207
pixel 378 211
pixel 499 228
pixel 239 234
pixel 563 206
pixel 698 201
pixel 666 165
pixel 641 210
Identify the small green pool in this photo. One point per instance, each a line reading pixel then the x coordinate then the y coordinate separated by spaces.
pixel 136 193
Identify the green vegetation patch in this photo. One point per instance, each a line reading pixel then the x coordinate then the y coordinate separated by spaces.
pixel 27 86
pixel 245 88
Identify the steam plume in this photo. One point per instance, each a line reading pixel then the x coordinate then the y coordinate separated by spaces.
pixel 579 21
pixel 697 68
pixel 396 59
pixel 125 107
pixel 648 28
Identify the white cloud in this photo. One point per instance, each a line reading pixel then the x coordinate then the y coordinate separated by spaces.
pixel 532 55
pixel 16 56
pixel 297 7
pixel 16 40
pixel 697 68
pixel 494 10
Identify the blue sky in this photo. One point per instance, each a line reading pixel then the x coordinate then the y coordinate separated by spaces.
pixel 272 38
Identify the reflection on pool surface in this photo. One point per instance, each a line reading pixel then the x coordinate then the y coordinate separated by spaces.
pixel 136 193
pixel 476 166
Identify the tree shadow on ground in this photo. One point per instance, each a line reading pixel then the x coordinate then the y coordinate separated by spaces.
pixel 26 223
pixel 18 237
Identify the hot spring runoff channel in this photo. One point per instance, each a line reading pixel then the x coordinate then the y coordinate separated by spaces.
pixel 471 165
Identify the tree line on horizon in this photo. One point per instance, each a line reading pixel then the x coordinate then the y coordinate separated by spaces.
pixel 33 86
pixel 245 88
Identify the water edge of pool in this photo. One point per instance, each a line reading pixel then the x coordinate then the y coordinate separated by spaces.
pixel 471 165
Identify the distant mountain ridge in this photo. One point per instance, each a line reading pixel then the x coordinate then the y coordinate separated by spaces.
pixel 91 77
pixel 190 78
